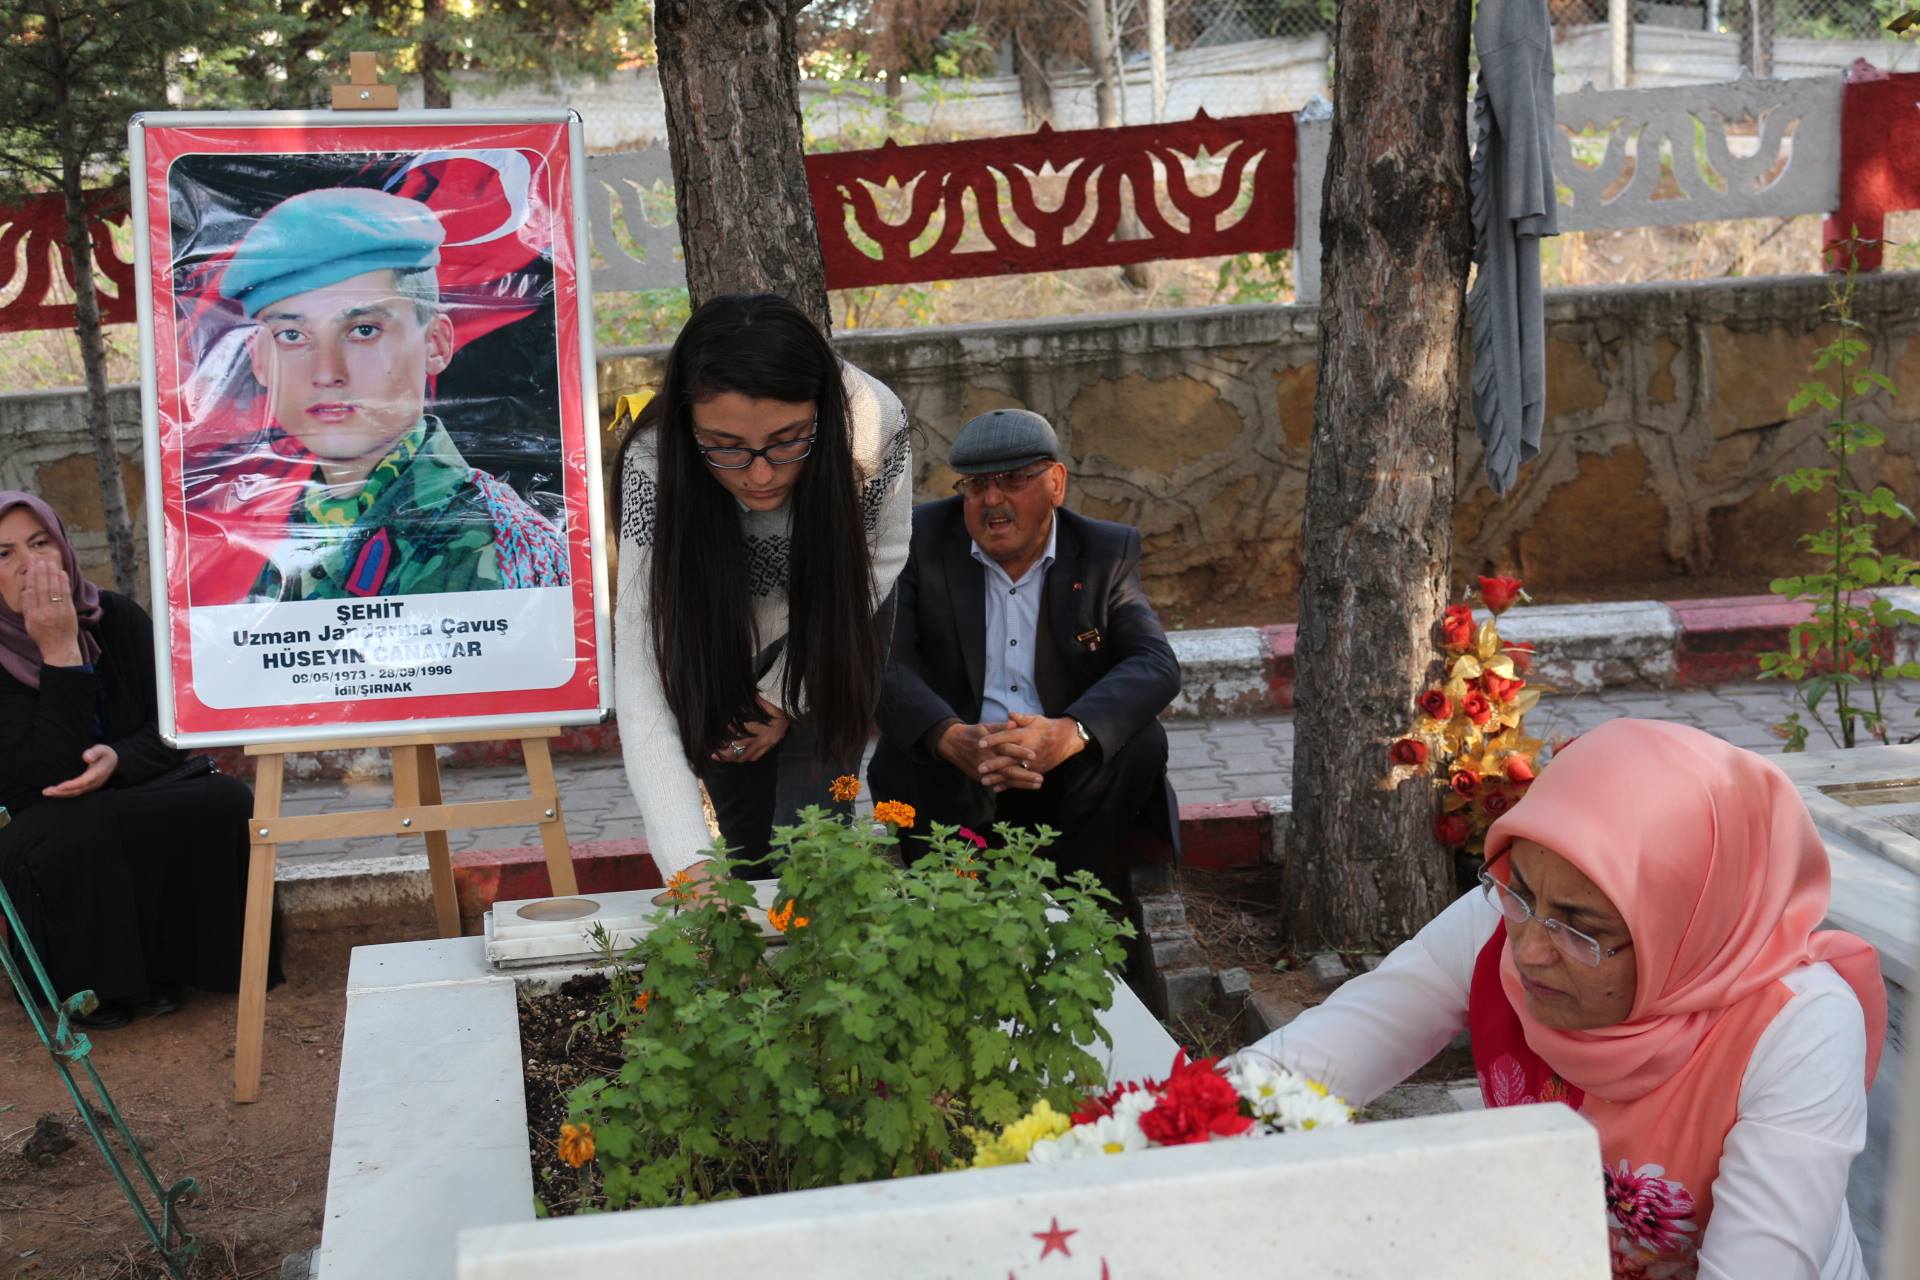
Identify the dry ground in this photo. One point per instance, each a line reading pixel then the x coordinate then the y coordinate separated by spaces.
pixel 262 1167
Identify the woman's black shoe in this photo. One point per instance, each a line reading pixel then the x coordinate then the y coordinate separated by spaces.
pixel 162 1000
pixel 106 1016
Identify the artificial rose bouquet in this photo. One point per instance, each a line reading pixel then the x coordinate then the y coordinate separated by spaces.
pixel 1468 735
pixel 1203 1101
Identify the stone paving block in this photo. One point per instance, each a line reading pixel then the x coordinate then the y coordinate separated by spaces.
pixel 1327 970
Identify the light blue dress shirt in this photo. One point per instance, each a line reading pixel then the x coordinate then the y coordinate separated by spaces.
pixel 1013 621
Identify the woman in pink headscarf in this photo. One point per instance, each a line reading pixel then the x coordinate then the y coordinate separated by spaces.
pixel 125 860
pixel 1644 949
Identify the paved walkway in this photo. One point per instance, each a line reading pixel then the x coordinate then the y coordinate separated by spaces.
pixel 1211 761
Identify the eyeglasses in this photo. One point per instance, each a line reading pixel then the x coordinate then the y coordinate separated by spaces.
pixel 1007 481
pixel 781 454
pixel 1569 941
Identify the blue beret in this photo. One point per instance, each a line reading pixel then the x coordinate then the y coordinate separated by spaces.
pixel 1001 440
pixel 318 238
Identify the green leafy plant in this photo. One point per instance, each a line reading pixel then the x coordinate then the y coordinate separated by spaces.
pixel 1256 277
pixel 907 1005
pixel 1841 652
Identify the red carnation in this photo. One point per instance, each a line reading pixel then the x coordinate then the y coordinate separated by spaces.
pixel 1519 769
pixel 1464 781
pixel 1456 628
pixel 1451 829
pixel 1409 751
pixel 1435 703
pixel 1521 651
pixel 1498 594
pixel 1478 709
pixel 1494 802
pixel 1196 1104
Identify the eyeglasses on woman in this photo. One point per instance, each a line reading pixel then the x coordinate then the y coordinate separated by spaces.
pixel 733 458
pixel 1569 941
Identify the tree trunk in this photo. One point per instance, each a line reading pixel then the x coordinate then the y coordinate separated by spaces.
pixel 93 346
pixel 1100 61
pixel 1756 51
pixel 1363 869
pixel 1036 87
pixel 1157 55
pixel 730 75
pixel 436 87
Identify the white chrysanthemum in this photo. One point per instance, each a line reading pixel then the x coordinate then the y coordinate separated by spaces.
pixel 1284 1099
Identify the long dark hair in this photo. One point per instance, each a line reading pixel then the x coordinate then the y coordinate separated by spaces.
pixel 763 347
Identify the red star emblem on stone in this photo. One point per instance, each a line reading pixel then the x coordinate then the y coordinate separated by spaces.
pixel 1054 1238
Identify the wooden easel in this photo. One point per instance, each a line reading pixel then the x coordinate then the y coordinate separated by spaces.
pixel 417 811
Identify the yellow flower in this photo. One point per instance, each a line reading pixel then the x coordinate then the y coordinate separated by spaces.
pixel 845 788
pixel 576 1143
pixel 897 812
pixel 1013 1143
pixel 782 918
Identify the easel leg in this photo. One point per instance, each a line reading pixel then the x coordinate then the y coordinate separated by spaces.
pixel 258 937
pixel 415 768
pixel 446 897
pixel 553 829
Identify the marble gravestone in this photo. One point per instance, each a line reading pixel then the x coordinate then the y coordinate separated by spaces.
pixel 1515 1192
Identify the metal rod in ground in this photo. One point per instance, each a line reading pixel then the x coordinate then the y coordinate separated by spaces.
pixel 170 1238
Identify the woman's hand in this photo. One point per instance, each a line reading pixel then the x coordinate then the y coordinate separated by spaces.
pixel 757 737
pixel 101 760
pixel 687 886
pixel 46 606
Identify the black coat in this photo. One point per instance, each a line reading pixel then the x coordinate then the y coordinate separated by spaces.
pixel 1115 685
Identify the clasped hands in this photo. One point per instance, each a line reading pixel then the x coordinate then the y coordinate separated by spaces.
pixel 1017 754
pixel 46 610
pixel 751 739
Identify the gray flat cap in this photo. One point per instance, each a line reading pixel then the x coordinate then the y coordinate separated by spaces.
pixel 1002 440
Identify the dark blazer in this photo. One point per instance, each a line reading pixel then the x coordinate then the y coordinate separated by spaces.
pixel 1115 686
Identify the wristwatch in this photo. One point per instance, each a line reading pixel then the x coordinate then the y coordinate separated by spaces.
pixel 1086 739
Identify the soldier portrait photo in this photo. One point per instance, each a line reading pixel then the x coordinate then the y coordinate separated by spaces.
pixel 371 407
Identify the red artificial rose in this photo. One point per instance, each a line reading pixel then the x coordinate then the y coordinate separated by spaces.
pixel 1475 704
pixel 1452 830
pixel 1456 629
pixel 1521 651
pixel 1500 689
pixel 1498 594
pixel 1435 703
pixel 1519 769
pixel 1465 781
pixel 1196 1104
pixel 1494 802
pixel 1408 751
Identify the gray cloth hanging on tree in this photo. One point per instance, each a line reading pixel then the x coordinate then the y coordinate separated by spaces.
pixel 1514 205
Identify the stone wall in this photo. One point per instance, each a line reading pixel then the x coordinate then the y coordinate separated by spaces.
pixel 1667 424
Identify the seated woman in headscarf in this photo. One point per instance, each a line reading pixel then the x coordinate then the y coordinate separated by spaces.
pixel 126 863
pixel 1643 949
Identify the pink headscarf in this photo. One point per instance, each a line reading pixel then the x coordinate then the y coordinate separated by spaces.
pixel 1710 857
pixel 19 653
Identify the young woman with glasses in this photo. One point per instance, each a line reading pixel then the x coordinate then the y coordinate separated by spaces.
pixel 764 511
pixel 1644 948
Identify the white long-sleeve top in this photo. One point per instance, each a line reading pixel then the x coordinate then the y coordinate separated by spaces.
pixel 1779 1200
pixel 657 769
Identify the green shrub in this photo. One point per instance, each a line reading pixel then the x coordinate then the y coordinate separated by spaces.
pixel 910 1004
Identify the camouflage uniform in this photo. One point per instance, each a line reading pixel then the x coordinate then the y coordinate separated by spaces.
pixel 424 522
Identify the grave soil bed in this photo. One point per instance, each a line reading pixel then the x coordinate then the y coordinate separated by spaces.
pixel 262 1167
pixel 558 1055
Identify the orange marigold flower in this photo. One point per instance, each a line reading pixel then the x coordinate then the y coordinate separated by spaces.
pixel 680 887
pixel 846 787
pixel 897 812
pixel 782 918
pixel 965 871
pixel 641 1001
pixel 576 1143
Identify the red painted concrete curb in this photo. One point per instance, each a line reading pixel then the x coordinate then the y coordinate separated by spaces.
pixel 1721 640
pixel 1215 837
pixel 1280 641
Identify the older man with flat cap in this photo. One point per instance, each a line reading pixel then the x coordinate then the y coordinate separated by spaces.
pixel 342 285
pixel 1028 669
